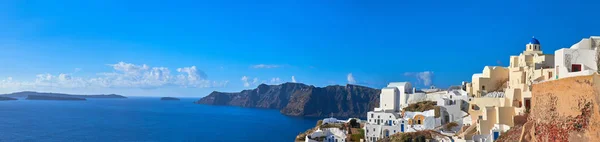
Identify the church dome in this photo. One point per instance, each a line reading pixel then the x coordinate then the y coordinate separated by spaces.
pixel 534 41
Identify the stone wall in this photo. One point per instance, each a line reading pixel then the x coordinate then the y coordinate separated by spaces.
pixel 566 109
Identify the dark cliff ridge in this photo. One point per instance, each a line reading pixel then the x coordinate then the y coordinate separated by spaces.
pixel 7 98
pixel 61 98
pixel 25 94
pixel 296 99
pixel 169 99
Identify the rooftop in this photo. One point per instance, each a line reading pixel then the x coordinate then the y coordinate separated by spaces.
pixel 534 41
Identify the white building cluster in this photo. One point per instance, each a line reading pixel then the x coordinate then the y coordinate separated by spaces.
pixel 391 118
pixel 486 106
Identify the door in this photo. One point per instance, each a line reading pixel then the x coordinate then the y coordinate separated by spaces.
pixel 496 135
pixel 387 133
pixel 402 128
pixel 527 104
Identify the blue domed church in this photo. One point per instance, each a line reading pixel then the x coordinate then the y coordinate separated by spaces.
pixel 533 47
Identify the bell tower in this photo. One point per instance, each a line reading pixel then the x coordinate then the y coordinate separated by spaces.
pixel 533 47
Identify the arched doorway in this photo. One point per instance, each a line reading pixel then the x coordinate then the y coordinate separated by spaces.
pixel 386 133
pixel 419 119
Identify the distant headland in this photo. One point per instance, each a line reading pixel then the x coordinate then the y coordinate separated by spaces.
pixel 6 98
pixel 30 95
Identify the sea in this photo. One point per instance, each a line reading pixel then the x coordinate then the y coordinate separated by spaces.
pixel 143 119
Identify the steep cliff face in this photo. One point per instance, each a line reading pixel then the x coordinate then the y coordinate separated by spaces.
pixel 566 110
pixel 298 99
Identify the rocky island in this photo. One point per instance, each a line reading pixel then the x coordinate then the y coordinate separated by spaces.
pixel 169 99
pixel 297 99
pixel 6 98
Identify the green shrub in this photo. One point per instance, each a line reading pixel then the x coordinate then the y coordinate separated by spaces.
pixel 356 137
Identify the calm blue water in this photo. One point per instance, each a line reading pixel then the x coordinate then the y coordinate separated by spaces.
pixel 143 119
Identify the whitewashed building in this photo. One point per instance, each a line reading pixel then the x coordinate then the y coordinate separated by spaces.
pixel 389 118
pixel 327 135
pixel 578 60
pixel 332 120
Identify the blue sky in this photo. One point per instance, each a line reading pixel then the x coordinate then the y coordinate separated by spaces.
pixel 191 48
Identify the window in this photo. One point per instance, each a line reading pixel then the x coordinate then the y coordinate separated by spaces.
pixel 371 115
pixel 575 67
pixel 378 116
pixel 419 121
pixel 549 75
pixel 482 87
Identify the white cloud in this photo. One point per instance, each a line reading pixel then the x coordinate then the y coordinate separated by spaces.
pixel 247 82
pixel 294 79
pixel 351 79
pixel 8 83
pixel 275 80
pixel 265 66
pixel 124 75
pixel 64 77
pixel 425 77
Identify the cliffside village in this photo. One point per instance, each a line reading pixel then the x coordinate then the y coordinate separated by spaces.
pixel 477 111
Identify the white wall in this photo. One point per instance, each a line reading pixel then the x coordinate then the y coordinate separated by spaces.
pixel 404 88
pixel 583 56
pixel 389 98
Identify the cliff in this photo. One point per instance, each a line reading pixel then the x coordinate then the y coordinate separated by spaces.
pixel 25 94
pixel 61 98
pixel 565 110
pixel 298 99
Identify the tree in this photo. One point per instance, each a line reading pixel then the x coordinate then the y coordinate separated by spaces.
pixel 354 123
